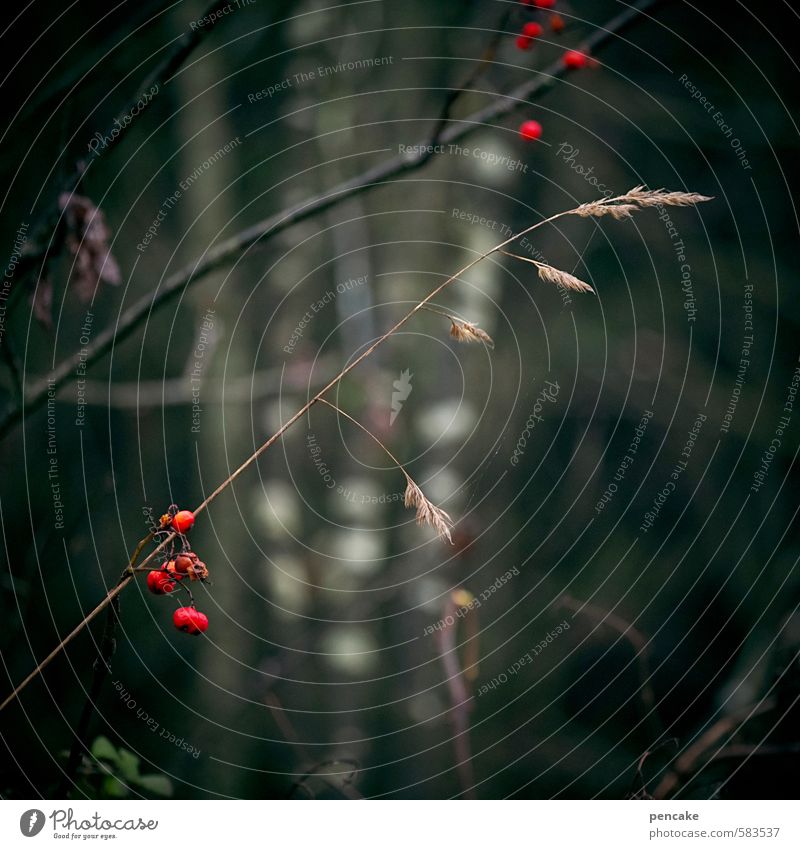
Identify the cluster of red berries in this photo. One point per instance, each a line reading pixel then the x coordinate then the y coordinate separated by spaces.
pixel 176 568
pixel 532 130
pixel 530 31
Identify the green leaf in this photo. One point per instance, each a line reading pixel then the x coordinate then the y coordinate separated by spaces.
pixel 156 783
pixel 128 765
pixel 103 749
pixel 113 788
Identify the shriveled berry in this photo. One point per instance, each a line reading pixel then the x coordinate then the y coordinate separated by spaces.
pixel 197 571
pixel 530 130
pixel 183 562
pixel 190 621
pixel 557 23
pixel 183 521
pixel 575 59
pixel 159 582
pixel 532 29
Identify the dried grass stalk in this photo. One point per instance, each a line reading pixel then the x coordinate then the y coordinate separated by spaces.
pixel 599 207
pixel 637 198
pixel 562 278
pixel 554 275
pixel 428 513
pixel 466 331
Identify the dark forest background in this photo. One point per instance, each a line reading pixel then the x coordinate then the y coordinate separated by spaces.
pixel 316 676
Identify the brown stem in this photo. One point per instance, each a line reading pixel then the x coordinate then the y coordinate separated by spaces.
pixel 688 763
pixel 309 404
pixel 637 641
pixel 460 702
pixel 370 434
pixel 68 639
pixel 441 312
pixel 125 579
pixel 249 461
pixel 102 666
pixel 485 62
pixel 443 530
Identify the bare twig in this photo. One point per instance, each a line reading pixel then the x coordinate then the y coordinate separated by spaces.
pixel 460 700
pixel 692 759
pixel 177 391
pixel 637 640
pixel 485 61
pixel 125 579
pixel 499 108
pixel 102 666
pixel 639 778
pixel 739 751
pixel 67 640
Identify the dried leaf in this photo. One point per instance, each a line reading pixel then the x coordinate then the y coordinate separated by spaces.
pixel 87 236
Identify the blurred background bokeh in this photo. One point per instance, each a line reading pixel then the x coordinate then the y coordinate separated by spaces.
pixel 320 657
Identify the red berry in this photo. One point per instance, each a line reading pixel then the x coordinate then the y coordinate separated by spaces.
pixel 183 521
pixel 159 583
pixel 575 59
pixel 190 621
pixel 530 130
pixel 532 29
pixel 524 43
pixel 544 4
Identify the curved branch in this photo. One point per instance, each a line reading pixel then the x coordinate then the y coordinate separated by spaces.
pixel 223 253
pixel 694 757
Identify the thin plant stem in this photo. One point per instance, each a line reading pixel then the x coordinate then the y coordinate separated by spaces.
pixel 359 359
pixel 130 571
pixel 125 579
pixel 440 312
pixel 688 762
pixel 638 643
pixel 102 666
pixel 461 703
pixel 112 594
pixel 370 434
